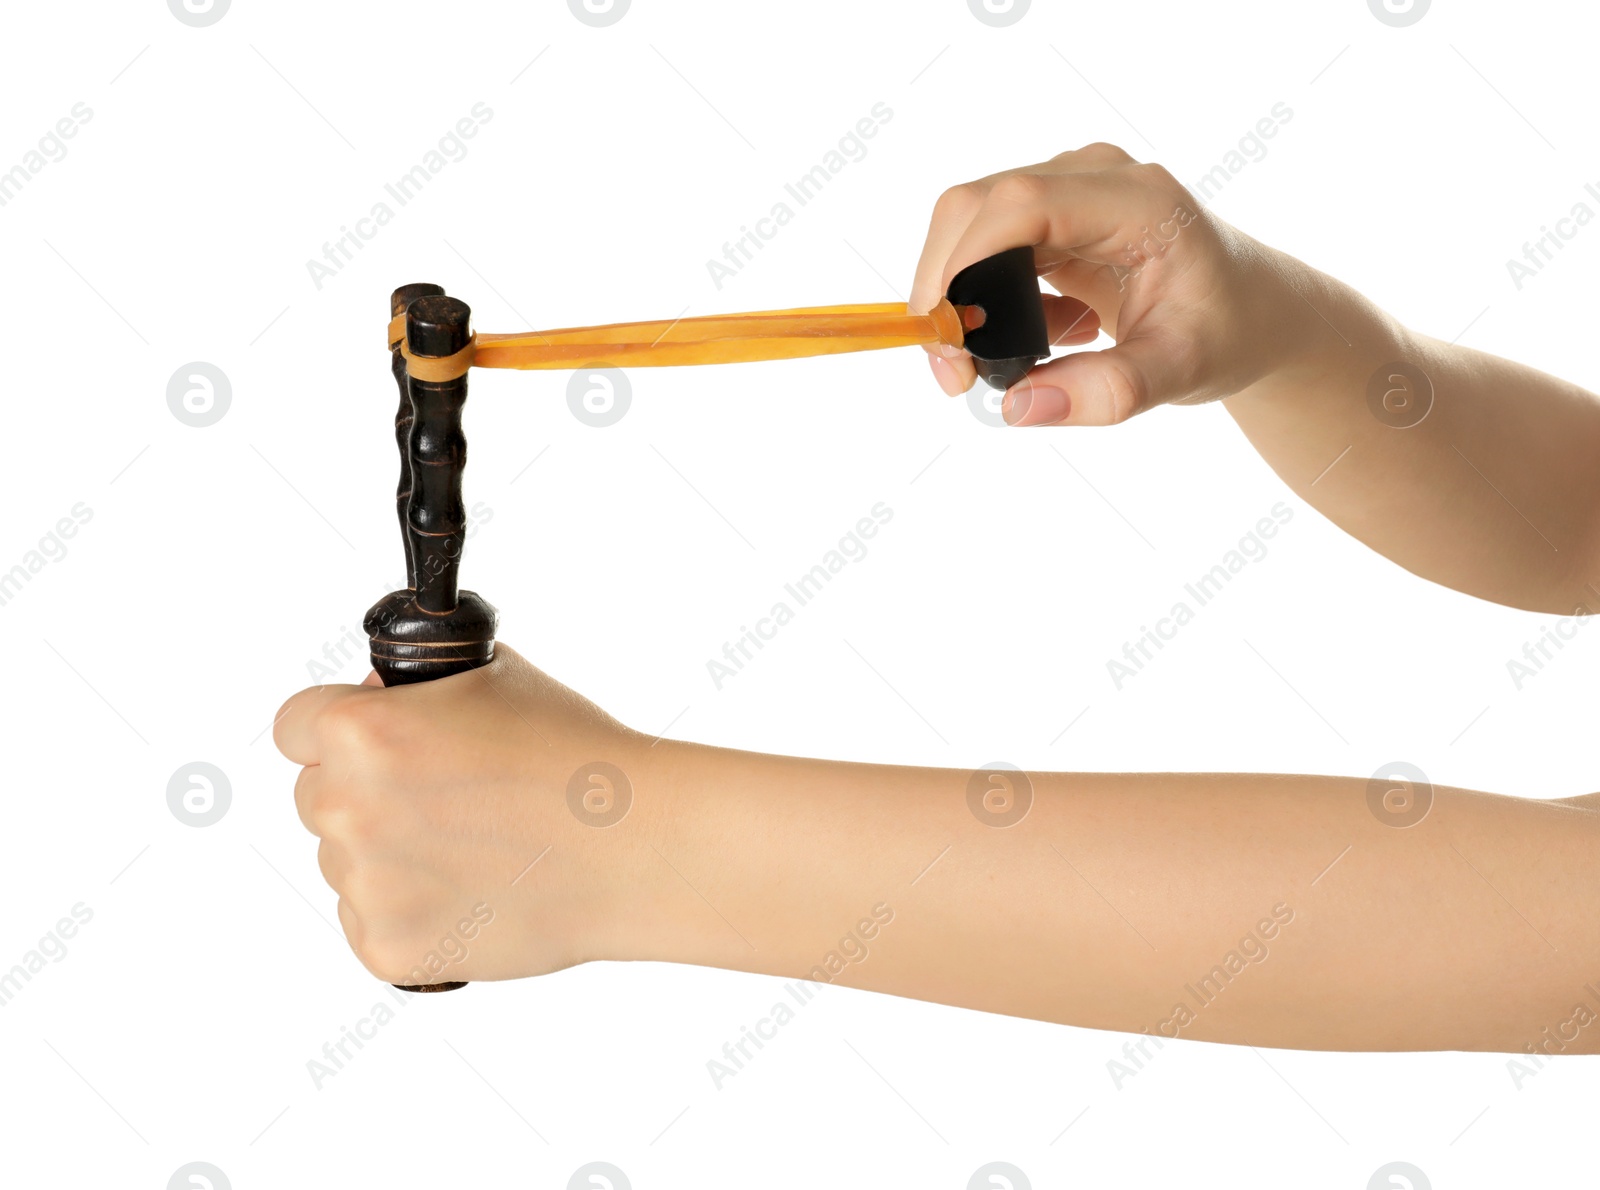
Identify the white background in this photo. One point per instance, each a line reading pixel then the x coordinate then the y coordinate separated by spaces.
pixel 220 560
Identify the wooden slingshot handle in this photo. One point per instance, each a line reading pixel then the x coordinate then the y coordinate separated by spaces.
pixel 432 628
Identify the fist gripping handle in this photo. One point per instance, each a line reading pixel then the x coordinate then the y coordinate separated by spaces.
pixel 432 628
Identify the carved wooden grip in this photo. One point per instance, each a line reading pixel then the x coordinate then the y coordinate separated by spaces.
pixel 436 516
pixel 398 302
pixel 432 628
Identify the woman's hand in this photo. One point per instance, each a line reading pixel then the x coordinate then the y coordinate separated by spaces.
pixel 483 826
pixel 1466 469
pixel 1199 310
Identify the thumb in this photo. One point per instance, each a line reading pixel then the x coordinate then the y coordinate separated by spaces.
pixel 1100 388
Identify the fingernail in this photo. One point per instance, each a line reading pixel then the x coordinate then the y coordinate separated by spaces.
pixel 951 351
pixel 1034 405
pixel 945 373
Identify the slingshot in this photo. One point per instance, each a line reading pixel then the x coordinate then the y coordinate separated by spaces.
pixel 432 628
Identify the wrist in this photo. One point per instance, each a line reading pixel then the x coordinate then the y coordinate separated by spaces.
pixel 1322 338
pixel 763 863
pixel 649 868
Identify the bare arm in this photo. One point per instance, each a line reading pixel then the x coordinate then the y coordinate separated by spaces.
pixel 1474 471
pixel 1268 910
pixel 1263 910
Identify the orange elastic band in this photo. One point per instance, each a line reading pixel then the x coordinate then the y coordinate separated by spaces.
pixel 709 339
pixel 437 369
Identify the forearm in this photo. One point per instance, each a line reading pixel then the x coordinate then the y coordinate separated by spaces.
pixel 1253 909
pixel 1495 491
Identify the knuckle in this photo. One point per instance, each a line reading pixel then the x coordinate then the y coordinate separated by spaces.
pixel 307 802
pixel 355 930
pixel 1125 395
pixel 400 952
pixel 958 201
pixel 1020 189
pixel 387 958
pixel 358 822
pixel 340 812
pixel 334 864
pixel 353 725
pixel 1106 151
pixel 278 728
pixel 367 893
pixel 1099 155
pixel 384 954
